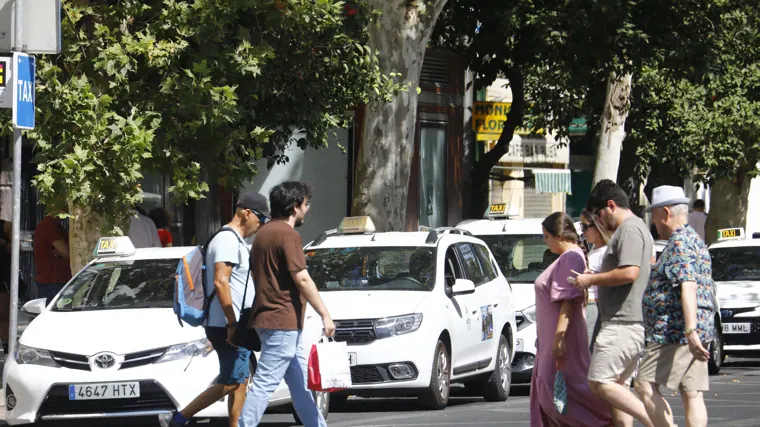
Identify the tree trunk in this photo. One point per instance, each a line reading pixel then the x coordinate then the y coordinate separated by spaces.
pixel 481 171
pixel 616 105
pixel 84 232
pixel 629 176
pixel 388 131
pixel 208 213
pixel 729 200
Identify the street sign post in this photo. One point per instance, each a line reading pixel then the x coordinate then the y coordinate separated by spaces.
pixel 23 91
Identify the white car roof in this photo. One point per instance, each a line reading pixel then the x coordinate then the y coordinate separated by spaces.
pixel 483 227
pixel 150 253
pixel 738 243
pixel 386 239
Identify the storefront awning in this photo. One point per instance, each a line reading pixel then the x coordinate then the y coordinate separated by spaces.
pixel 553 181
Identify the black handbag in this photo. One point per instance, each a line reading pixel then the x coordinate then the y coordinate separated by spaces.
pixel 243 336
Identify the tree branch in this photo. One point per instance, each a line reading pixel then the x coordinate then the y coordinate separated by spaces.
pixel 482 169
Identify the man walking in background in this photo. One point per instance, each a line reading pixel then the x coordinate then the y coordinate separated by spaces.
pixel 698 218
pixel 51 257
pixel 621 284
pixel 283 287
pixel 679 312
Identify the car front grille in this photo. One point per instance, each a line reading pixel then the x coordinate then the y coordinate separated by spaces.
pixel 365 375
pixel 131 360
pixel 355 332
pixel 152 397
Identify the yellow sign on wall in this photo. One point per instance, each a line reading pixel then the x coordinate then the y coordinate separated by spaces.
pixel 488 119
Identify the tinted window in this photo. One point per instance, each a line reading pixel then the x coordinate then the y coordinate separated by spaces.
pixel 472 264
pixel 379 268
pixel 735 263
pixel 120 285
pixel 522 258
pixel 485 261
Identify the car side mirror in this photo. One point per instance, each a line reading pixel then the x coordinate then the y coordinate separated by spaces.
pixel 34 307
pixel 463 287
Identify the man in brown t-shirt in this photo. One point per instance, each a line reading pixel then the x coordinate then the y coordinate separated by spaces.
pixel 283 287
pixel 51 257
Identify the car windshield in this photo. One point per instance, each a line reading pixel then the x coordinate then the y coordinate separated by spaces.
pixel 373 268
pixel 522 258
pixel 740 263
pixel 120 285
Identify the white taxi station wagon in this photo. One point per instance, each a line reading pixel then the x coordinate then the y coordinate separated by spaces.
pixel 110 346
pixel 736 272
pixel 418 311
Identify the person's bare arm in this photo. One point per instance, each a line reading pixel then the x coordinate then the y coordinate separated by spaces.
pixel 62 248
pixel 309 290
pixel 689 304
pixel 565 316
pixel 222 272
pixel 617 277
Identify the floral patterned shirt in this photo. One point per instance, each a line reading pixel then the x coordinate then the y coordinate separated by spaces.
pixel 685 259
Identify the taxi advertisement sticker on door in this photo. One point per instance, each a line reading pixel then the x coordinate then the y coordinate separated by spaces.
pixel 486 318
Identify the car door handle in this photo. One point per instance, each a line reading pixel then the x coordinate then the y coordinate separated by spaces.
pixel 475 312
pixel 495 305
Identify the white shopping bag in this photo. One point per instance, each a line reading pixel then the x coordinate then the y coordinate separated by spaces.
pixel 329 369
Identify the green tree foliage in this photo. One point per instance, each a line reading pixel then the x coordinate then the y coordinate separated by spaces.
pixel 192 89
pixel 557 56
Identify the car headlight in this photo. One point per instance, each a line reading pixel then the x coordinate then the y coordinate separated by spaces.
pixel 200 348
pixel 392 326
pixel 529 314
pixel 34 356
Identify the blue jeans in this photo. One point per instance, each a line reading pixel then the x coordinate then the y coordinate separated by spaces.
pixel 281 357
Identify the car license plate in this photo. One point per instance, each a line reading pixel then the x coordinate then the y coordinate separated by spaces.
pixel 104 391
pixel 519 346
pixel 352 359
pixel 736 328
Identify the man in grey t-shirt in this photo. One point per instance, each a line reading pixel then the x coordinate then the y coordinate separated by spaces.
pixel 622 281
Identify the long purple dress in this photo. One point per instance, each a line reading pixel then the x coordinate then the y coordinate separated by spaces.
pixel 584 409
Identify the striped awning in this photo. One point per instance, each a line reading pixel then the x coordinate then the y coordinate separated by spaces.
pixel 553 181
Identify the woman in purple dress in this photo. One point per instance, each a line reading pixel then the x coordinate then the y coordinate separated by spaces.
pixel 563 336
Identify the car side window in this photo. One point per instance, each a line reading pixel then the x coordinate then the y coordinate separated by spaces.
pixel 452 269
pixel 485 262
pixel 472 264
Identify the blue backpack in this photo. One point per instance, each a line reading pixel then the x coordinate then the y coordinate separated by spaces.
pixel 191 304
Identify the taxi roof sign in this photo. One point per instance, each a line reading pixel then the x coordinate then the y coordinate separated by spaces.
pixel 731 233
pixel 356 224
pixel 501 210
pixel 114 245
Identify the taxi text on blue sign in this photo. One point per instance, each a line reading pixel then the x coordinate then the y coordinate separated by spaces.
pixel 23 92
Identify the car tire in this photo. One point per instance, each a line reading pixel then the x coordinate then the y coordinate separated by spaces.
pixel 322 399
pixel 436 396
pixel 499 383
pixel 717 355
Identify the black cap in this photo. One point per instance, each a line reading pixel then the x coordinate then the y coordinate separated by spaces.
pixel 255 202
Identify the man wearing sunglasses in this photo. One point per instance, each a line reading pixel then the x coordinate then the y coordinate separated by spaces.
pixel 226 283
pixel 621 283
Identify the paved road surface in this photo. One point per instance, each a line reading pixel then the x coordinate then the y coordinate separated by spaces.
pixel 733 401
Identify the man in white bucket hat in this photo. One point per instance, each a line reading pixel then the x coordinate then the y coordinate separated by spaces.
pixel 679 308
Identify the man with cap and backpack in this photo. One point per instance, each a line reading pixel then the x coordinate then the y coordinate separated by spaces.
pixel 227 289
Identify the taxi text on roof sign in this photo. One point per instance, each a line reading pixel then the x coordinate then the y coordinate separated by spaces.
pixel 501 210
pixel 730 233
pixel 356 224
pixel 120 246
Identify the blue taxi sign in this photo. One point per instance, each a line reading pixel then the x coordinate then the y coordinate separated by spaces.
pixel 731 233
pixel 115 245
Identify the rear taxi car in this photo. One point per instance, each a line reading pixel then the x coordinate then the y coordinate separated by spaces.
pixel 110 346
pixel 736 272
pixel 418 311
pixel 519 248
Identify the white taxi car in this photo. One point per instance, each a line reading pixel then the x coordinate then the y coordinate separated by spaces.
pixel 110 346
pixel 736 272
pixel 519 248
pixel 418 311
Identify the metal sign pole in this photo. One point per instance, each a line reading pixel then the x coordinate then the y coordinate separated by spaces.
pixel 16 225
